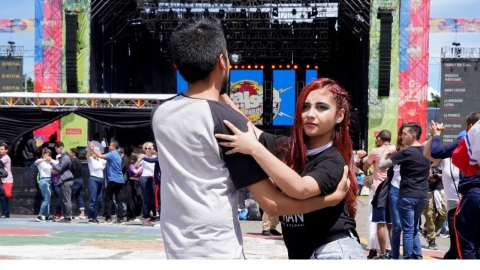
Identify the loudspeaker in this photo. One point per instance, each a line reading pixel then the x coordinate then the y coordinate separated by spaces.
pixel 385 54
pixel 268 103
pixel 71 25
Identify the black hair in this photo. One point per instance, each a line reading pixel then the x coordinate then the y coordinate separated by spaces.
pixel 385 135
pixel 75 151
pixel 59 144
pixel 96 136
pixel 196 47
pixel 472 118
pixel 133 158
pixel 415 128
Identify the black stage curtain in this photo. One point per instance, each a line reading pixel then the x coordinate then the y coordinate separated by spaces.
pixel 16 122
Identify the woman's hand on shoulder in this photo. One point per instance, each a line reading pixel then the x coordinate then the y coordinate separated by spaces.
pixel 240 142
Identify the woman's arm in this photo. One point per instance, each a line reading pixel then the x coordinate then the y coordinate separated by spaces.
pixel 38 161
pixel 289 181
pixel 275 203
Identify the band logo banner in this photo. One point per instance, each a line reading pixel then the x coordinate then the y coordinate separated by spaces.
pixel 454 25
pixel 246 91
pixel 17 26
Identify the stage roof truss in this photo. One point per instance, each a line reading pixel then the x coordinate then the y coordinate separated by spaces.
pixel 44 100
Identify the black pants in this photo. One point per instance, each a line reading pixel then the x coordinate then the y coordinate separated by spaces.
pixel 133 198
pixel 111 189
pixel 452 253
pixel 467 226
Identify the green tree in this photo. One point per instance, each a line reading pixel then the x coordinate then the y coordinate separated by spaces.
pixel 29 84
pixel 435 102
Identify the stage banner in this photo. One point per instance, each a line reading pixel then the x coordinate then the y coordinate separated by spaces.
pixel 382 112
pixel 48 54
pixel 455 25
pixel 74 131
pixel 77 127
pixel 459 95
pixel 413 76
pixel 246 91
pixel 310 75
pixel 283 97
pixel 17 26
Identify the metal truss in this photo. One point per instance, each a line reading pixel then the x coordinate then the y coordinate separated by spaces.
pixel 453 52
pixel 355 15
pixel 62 100
pixel 257 28
pixel 11 51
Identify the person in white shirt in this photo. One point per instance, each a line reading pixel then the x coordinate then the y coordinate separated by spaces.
pixel 44 165
pixel 147 184
pixel 96 167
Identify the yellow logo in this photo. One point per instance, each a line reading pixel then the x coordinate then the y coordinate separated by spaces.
pixel 248 96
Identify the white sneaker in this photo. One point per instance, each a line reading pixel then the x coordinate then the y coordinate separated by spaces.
pixel 40 218
pixel 81 217
pixel 136 220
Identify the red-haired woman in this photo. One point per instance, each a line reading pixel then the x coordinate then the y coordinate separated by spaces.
pixel 313 160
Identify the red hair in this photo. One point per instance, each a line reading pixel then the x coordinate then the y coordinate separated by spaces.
pixel 295 150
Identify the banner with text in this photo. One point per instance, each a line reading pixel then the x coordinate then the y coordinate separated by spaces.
pixel 413 75
pixel 459 92
pixel 246 91
pixel 48 54
pixel 456 25
pixel 17 26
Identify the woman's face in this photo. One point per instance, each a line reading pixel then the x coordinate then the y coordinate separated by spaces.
pixel 45 156
pixel 319 115
pixel 3 151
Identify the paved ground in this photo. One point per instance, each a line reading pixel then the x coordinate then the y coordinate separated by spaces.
pixel 23 238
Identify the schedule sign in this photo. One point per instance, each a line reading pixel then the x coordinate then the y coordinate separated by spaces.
pixel 11 77
pixel 460 95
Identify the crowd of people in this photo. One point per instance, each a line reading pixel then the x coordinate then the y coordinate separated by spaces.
pixel 306 179
pixel 129 183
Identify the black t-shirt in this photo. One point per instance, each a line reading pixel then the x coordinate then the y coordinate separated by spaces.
pixel 76 168
pixel 414 170
pixel 306 232
pixel 437 184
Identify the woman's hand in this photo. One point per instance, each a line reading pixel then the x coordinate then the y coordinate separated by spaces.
pixel 241 142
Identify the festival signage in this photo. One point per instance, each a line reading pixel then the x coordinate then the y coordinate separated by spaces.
pixel 310 75
pixel 459 92
pixel 413 73
pixel 454 25
pixel 283 97
pixel 382 112
pixel 246 91
pixel 16 26
pixel 11 77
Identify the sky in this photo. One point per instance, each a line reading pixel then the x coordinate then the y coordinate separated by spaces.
pixel 25 9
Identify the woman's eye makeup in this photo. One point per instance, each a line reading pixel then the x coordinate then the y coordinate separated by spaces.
pixel 318 107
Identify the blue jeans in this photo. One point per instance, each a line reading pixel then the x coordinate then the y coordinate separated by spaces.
pixel 410 211
pixel 396 225
pixel 95 188
pixel 148 192
pixel 77 189
pixel 44 185
pixel 5 206
pixel 346 248
pixel 443 230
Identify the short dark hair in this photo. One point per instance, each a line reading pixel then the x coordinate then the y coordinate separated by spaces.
pixel 472 118
pixel 415 128
pixel 59 144
pixel 385 135
pixel 196 46
pixel 115 144
pixel 75 151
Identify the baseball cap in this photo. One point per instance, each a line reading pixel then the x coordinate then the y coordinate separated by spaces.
pixel 121 151
pixel 462 134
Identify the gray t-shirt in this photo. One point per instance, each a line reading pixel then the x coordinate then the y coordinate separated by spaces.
pixel 199 183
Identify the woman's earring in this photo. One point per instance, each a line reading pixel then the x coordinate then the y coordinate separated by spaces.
pixel 338 122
